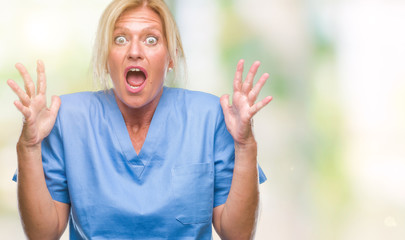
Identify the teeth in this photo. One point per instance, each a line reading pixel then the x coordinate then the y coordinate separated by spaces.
pixel 134 70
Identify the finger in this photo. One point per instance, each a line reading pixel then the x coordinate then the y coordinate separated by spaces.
pixel 237 81
pixel 259 105
pixel 28 83
pixel 41 78
pixel 247 85
pixel 55 105
pixel 257 88
pixel 23 109
pixel 25 100
pixel 224 100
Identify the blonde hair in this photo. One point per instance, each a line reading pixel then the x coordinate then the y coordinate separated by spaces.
pixel 105 30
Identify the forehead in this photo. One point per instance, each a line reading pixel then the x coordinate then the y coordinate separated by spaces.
pixel 139 15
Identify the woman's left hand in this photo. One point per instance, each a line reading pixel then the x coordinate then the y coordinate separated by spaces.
pixel 238 116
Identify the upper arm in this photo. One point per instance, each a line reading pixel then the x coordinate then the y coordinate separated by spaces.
pixel 63 210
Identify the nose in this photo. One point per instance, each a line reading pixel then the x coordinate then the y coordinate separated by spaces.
pixel 135 50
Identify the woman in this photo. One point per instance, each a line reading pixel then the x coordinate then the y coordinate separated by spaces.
pixel 140 160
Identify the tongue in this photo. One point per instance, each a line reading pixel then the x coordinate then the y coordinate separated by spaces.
pixel 135 79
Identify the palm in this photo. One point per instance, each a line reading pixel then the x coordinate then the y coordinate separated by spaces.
pixel 238 116
pixel 38 118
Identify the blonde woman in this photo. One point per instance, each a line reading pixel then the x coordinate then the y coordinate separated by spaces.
pixel 138 160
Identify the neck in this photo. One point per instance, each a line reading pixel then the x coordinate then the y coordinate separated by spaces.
pixel 138 118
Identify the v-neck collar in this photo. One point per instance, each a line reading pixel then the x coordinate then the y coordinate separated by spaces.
pixel 149 147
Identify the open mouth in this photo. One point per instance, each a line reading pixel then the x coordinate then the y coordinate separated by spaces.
pixel 135 77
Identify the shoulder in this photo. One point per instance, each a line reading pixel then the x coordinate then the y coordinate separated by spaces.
pixel 84 99
pixel 193 99
pixel 84 103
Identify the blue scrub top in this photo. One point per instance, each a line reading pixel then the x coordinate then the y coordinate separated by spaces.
pixel 168 191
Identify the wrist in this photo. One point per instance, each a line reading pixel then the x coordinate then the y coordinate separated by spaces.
pixel 249 143
pixel 246 154
pixel 23 146
pixel 28 155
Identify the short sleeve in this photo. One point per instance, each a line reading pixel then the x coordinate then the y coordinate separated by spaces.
pixel 54 164
pixel 224 157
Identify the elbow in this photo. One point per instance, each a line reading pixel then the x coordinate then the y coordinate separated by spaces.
pixel 41 233
pixel 235 234
pixel 36 236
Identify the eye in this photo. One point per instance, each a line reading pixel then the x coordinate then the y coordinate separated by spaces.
pixel 151 40
pixel 120 40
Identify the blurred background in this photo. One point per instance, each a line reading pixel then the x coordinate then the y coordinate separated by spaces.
pixel 332 142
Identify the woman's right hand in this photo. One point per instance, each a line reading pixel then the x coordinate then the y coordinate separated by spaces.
pixel 38 118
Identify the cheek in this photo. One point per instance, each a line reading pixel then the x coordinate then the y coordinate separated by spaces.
pixel 115 55
pixel 111 58
pixel 161 56
pixel 163 62
pixel 112 63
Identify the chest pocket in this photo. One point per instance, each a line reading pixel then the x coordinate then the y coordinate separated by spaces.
pixel 193 192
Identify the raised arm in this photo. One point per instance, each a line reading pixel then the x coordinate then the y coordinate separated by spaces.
pixel 41 216
pixel 236 219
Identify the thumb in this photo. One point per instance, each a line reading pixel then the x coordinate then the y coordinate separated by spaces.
pixel 55 104
pixel 224 100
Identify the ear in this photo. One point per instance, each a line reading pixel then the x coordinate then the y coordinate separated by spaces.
pixel 171 64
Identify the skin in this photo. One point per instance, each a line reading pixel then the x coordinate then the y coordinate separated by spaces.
pixel 236 219
pixel 44 218
pixel 139 26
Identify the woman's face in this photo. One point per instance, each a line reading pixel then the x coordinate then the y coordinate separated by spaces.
pixel 138 59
